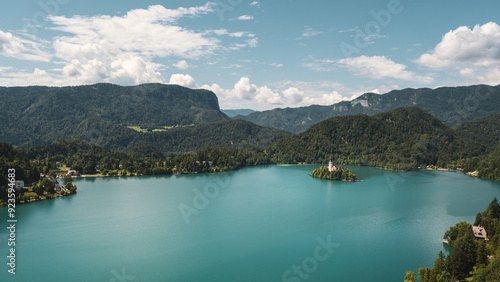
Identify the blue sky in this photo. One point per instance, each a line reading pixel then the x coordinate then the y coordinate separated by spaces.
pixel 253 54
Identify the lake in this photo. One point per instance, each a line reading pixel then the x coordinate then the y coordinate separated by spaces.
pixel 267 223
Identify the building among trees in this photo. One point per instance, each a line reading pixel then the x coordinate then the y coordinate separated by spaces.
pixel 332 167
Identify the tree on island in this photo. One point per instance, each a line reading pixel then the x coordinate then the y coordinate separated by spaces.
pixel 340 174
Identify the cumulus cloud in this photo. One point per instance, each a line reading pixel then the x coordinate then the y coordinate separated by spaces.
pixel 315 92
pixel 266 95
pixel 153 31
pixel 245 90
pixel 246 94
pixel 294 95
pixel 479 46
pixel 474 53
pixel 99 47
pixel 214 88
pixel 183 80
pixel 380 67
pixel 121 49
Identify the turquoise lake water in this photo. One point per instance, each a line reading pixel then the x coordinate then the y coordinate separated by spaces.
pixel 269 223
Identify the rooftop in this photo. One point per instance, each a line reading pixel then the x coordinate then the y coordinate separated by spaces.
pixel 479 232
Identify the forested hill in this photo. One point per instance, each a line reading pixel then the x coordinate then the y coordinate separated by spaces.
pixel 451 105
pixel 485 130
pixel 40 115
pixel 403 138
pixel 231 133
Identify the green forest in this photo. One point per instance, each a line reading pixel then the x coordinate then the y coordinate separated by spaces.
pixel 173 119
pixel 471 259
pixel 93 160
pixel 403 139
pixel 484 130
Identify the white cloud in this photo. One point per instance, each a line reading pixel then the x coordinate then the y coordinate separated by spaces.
pixel 276 65
pixel 252 42
pixel 294 95
pixel 255 4
pixel 183 80
pixel 474 53
pixel 317 92
pixel 18 77
pixel 267 96
pixel 467 72
pixel 245 18
pixel 21 48
pixel 100 49
pixel 479 46
pixel 246 94
pixel 491 77
pixel 231 34
pixel 214 88
pixel 380 67
pixel 121 49
pixel 152 30
pixel 324 92
pixel 243 89
pixel 183 65
pixel 325 99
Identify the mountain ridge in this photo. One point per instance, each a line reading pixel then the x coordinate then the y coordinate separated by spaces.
pixel 41 115
pixel 172 118
pixel 452 105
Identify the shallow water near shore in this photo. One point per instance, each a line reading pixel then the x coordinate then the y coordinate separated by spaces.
pixel 268 223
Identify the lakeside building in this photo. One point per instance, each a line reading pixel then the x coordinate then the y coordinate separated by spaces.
pixel 19 183
pixel 479 232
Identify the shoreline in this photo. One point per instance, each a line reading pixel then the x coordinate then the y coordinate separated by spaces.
pixel 39 199
pixel 472 174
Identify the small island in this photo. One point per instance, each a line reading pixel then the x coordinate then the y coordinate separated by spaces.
pixel 334 172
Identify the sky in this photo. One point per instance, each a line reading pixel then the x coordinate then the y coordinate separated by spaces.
pixel 253 54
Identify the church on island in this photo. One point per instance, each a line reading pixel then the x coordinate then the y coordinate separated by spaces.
pixel 332 167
